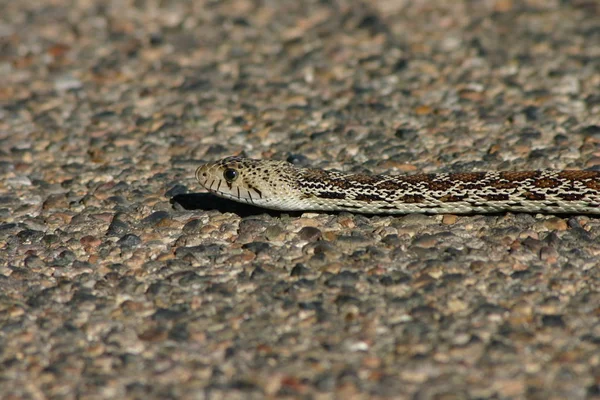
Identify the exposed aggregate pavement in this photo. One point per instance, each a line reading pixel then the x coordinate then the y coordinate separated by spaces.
pixel 120 279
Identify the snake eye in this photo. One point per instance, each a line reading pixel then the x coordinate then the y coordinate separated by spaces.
pixel 230 175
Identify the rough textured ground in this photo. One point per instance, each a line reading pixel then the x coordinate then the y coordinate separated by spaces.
pixel 119 280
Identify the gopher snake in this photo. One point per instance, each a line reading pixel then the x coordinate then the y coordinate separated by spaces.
pixel 281 186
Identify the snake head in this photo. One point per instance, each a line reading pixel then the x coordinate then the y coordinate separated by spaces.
pixel 258 182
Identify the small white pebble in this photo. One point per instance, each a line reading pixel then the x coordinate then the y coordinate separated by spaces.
pixel 67 82
pixel 358 346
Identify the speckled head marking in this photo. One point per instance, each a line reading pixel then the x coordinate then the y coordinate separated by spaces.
pixel 280 185
pixel 246 180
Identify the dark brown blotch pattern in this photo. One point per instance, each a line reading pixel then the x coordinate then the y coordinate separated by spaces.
pixel 496 197
pixel 413 198
pixel 534 196
pixel 504 185
pixel 518 175
pixel 578 175
pixel 368 197
pixel 440 185
pixel 467 177
pixel 450 198
pixel 419 178
pixel 546 183
pixel 366 179
pixel 593 184
pixel 331 195
pixel 571 196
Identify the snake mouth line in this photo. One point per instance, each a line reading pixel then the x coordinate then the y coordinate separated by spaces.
pixel 234 196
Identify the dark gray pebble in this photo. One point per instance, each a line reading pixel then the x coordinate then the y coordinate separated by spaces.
pixel 257 247
pixel 406 133
pixel 81 264
pixel 179 332
pixel 553 321
pixel 201 250
pixel 34 262
pixel 129 240
pixel 298 160
pixel 8 201
pixel 30 236
pixel 346 299
pixel 65 258
pixel 190 278
pixel 176 190
pixel 300 270
pixel 344 278
pixel 51 239
pixel 192 226
pixel 155 218
pixel 258 272
pixel 251 226
pixel 310 234
pixel 117 228
pixel 591 130
pixel 170 314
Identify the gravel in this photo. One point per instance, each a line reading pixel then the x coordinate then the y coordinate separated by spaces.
pixel 119 278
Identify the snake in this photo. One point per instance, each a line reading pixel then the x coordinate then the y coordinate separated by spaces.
pixel 280 185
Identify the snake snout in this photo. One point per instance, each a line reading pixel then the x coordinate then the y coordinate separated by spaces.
pixel 202 174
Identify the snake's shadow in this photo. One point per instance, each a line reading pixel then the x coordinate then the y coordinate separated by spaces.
pixel 207 201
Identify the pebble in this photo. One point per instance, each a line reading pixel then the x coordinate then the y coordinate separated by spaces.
pixel 449 219
pixel 65 83
pixel 18 181
pixel 300 270
pixel 555 224
pixel 310 234
pixel 257 247
pixel 129 240
pixel 117 228
pixel 155 218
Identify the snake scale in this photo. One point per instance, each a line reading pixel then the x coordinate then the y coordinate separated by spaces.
pixel 280 185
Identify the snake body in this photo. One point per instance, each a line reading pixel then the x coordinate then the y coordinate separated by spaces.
pixel 280 185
